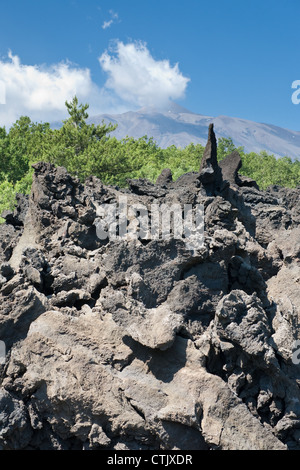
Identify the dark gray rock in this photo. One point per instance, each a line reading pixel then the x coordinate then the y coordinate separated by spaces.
pixel 146 343
pixel 210 172
pixel 230 167
pixel 145 187
pixel 245 181
pixel 165 177
pixel 7 271
pixel 15 429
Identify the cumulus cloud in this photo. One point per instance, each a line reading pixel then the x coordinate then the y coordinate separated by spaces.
pixel 2 93
pixel 137 78
pixel 134 79
pixel 40 91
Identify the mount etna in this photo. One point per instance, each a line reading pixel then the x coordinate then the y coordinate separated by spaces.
pixel 178 126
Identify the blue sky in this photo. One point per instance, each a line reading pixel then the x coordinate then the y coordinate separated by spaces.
pixel 235 58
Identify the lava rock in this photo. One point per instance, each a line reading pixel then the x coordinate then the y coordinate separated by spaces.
pixel 143 343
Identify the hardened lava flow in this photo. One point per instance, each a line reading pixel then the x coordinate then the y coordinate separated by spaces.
pixel 145 344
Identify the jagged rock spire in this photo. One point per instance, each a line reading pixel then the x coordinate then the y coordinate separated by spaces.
pixel 230 167
pixel 210 152
pixel 210 172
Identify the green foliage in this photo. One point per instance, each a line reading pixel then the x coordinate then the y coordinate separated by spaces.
pixel 88 149
pixel 69 146
pixel 226 146
pixel 22 146
pixel 264 168
pixel 268 170
pixel 7 197
pixel 78 114
pixel 182 161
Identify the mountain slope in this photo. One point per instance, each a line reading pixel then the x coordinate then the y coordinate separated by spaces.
pixel 178 126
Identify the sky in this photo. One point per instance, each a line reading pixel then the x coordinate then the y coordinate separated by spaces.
pixel 238 58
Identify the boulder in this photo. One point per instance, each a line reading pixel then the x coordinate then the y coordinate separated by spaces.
pixel 165 177
pixel 230 167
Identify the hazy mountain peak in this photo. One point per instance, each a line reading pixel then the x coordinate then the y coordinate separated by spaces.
pixel 176 125
pixel 177 109
pixel 171 107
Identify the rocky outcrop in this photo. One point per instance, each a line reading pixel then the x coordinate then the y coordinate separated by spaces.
pixel 210 172
pixel 230 167
pixel 142 343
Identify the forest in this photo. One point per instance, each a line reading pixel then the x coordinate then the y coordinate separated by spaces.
pixel 87 149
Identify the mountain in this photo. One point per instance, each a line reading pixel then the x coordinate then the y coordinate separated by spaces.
pixel 179 126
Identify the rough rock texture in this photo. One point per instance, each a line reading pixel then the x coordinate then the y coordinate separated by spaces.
pixel 230 167
pixel 144 343
pixel 210 172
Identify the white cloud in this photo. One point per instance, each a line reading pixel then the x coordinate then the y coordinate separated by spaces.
pixel 107 24
pixel 137 78
pixel 40 91
pixel 2 92
pixel 113 18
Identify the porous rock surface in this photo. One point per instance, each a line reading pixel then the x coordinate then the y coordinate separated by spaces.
pixel 146 344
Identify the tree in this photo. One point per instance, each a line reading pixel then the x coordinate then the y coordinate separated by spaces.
pixel 226 146
pixel 68 144
pixel 78 114
pixel 4 156
pixel 78 118
pixel 20 147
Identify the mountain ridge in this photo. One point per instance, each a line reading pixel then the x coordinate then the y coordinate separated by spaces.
pixel 178 126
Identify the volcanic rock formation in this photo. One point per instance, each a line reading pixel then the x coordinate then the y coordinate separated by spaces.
pixel 142 343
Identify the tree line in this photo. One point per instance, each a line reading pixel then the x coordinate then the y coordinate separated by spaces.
pixel 88 149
